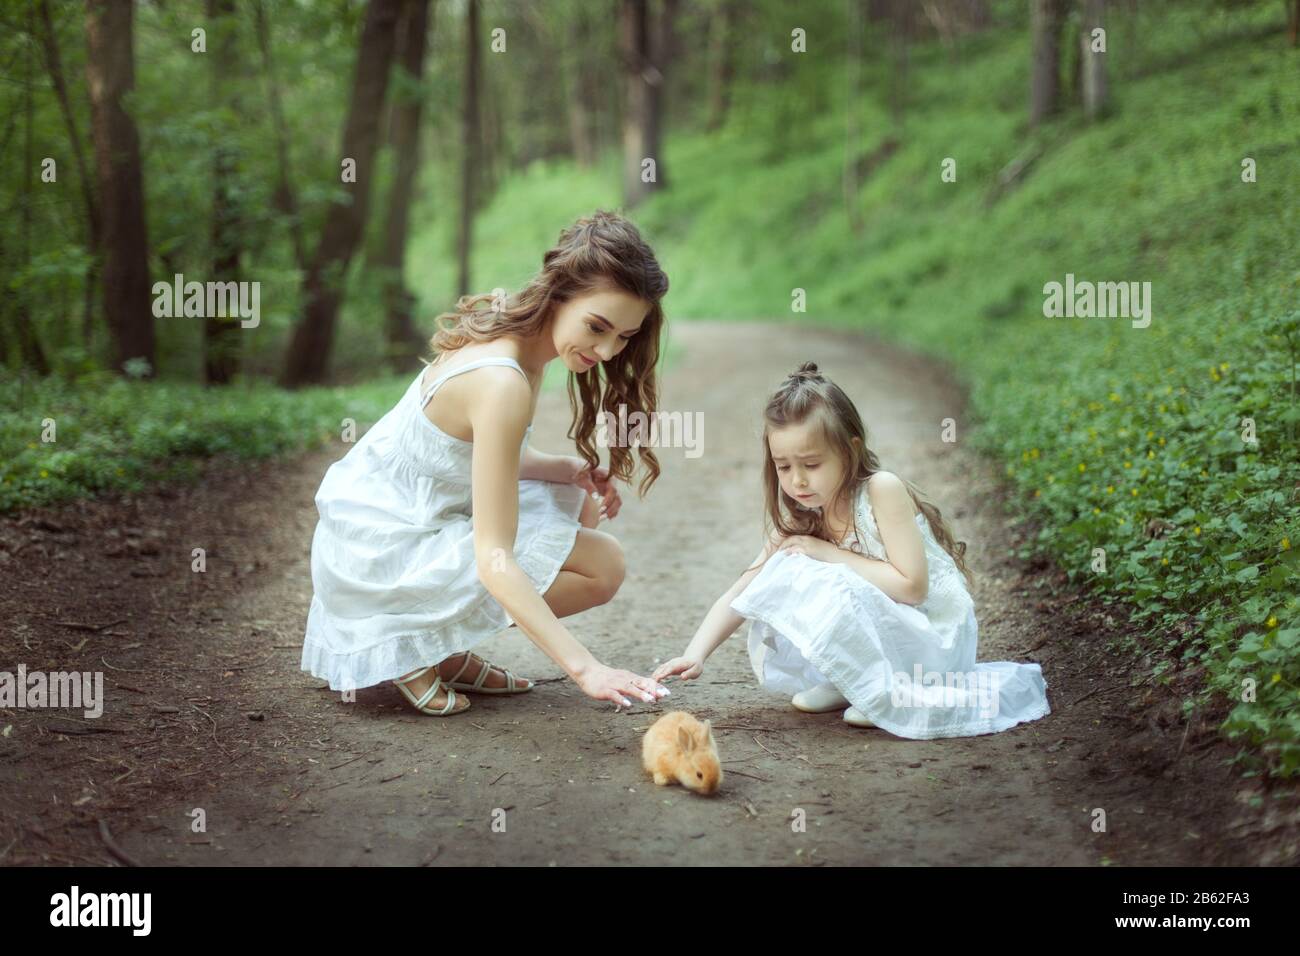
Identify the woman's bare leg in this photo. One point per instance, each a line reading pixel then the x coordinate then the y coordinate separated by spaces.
pixel 590 576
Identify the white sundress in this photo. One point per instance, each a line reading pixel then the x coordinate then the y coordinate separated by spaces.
pixel 395 580
pixel 910 669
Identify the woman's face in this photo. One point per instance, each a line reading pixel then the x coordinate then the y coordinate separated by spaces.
pixel 595 326
pixel 808 470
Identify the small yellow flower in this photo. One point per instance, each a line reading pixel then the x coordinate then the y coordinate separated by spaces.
pixel 1150 453
pixel 1128 464
pixel 1162 443
pixel 1114 397
pixel 1286 544
pixel 1134 492
pixel 1271 622
pixel 1082 467
pixel 44 473
pixel 1151 434
pixel 1164 560
pixel 1110 489
pixel 1276 677
pixel 1038 493
pixel 1224 366
pixel 1096 511
pixel 1196 530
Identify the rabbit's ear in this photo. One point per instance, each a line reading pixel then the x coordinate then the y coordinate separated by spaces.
pixel 685 740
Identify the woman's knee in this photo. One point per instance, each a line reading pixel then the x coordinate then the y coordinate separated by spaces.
pixel 611 569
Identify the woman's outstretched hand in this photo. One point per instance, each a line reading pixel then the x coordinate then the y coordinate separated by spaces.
pixel 598 482
pixel 607 683
pixel 684 667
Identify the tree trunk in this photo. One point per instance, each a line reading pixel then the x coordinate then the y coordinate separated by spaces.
pixel 900 34
pixel 577 88
pixel 662 48
pixel 110 75
pixel 1094 64
pixel 54 66
pixel 404 135
pixel 221 334
pixel 1293 31
pixel 853 121
pixel 309 350
pixel 32 353
pixel 286 198
pixel 1045 22
pixel 470 147
pixel 722 61
pixel 634 50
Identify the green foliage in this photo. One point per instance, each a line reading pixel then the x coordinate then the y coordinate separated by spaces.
pixel 113 434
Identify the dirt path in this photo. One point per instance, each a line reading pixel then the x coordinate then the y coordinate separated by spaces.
pixel 206 707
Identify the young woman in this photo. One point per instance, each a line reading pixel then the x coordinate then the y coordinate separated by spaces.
pixel 441 526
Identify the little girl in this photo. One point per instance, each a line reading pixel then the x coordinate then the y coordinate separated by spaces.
pixel 858 601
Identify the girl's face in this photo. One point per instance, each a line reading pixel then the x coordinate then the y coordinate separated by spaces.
pixel 595 326
pixel 807 468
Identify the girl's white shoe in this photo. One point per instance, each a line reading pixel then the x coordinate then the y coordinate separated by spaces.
pixel 819 700
pixel 857 718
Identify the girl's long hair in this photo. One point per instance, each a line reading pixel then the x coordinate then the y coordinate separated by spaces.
pixel 596 251
pixel 806 394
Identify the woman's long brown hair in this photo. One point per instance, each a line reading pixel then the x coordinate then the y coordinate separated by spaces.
pixel 596 251
pixel 805 394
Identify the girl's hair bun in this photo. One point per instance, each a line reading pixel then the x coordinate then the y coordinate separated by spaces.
pixel 805 371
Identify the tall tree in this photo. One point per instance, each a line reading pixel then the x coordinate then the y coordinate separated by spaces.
pixel 470 146
pixel 1046 20
pixel 634 47
pixel 663 42
pixel 313 338
pixel 110 76
pixel 28 341
pixel 49 41
pixel 722 60
pixel 404 137
pixel 221 333
pixel 286 197
pixel 1093 63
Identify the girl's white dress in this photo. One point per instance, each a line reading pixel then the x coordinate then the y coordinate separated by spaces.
pixel 910 669
pixel 392 559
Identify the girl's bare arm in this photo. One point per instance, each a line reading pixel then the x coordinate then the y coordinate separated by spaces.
pixel 721 621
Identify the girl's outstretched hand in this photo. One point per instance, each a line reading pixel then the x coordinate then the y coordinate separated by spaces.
pixel 684 667
pixel 607 683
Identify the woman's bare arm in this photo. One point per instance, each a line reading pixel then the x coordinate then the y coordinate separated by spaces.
pixel 499 417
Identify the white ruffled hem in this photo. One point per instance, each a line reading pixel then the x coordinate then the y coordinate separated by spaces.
pixel 813 622
pixel 541 557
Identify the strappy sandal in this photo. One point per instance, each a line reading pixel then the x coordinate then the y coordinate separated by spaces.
pixel 447 709
pixel 485 669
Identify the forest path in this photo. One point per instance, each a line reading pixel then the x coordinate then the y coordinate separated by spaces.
pixel 206 706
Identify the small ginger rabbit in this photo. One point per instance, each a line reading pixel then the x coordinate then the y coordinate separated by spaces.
pixel 679 748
